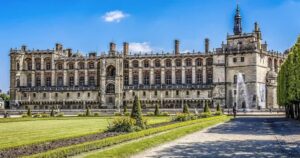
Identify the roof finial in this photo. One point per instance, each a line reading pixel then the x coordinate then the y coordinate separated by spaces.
pixel 237 22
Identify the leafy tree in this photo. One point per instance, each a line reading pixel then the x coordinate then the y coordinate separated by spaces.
pixel 156 112
pixel 136 112
pixel 185 109
pixel 4 96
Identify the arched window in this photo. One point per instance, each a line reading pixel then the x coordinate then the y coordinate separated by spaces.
pixel 38 81
pixel 29 64
pixel 146 75
pixel 275 65
pixel 209 61
pixel 126 64
pixel 48 63
pixel 188 76
pixel 178 76
pixel 48 81
pixel 91 65
pixel 157 63
pixel 60 81
pixel 199 62
pixel 81 65
pixel 146 63
pixel 168 77
pixel 168 63
pixel 18 66
pixel 157 75
pixel 270 63
pixel 37 64
pixel 111 71
pixel 71 66
pixel 178 62
pixel 81 80
pixel 135 77
pixel 188 62
pixel 135 63
pixel 110 89
pixel 59 66
pixel 199 78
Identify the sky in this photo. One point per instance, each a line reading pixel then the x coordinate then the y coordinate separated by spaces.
pixel 148 25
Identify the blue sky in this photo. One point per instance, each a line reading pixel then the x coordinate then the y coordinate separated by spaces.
pixel 149 25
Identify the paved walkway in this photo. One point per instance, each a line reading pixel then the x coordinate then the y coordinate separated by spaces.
pixel 243 137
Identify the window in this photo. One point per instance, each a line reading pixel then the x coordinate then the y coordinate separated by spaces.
pixel 178 62
pixel 81 81
pixel 48 81
pixel 126 80
pixel 157 77
pixel 24 95
pixel 45 95
pixel 68 95
pixel 168 77
pixel 234 79
pixel 209 76
pixel 133 93
pixel 146 77
pixel 146 63
pixel 188 76
pixel 48 65
pixel 234 92
pixel 198 93
pixel 18 82
pixel 38 81
pixel 168 63
pixel 81 65
pixel 38 66
pixel 91 65
pixel 29 80
pixel 270 65
pixel 59 66
pixel 177 92
pixel 126 64
pixel 198 62
pixel 18 66
pixel 91 81
pixel 34 95
pixel 155 93
pixel 110 88
pixel 71 81
pixel 157 63
pixel 89 94
pixel 71 66
pixel 60 81
pixel 144 93
pixel 209 61
pixel 187 93
pixel 135 78
pixel 199 79
pixel 167 93
pixel 29 65
pixel 178 76
pixel 56 95
pixel 135 63
pixel 188 62
pixel 242 59
pixel 234 60
pixel 111 71
pixel 78 94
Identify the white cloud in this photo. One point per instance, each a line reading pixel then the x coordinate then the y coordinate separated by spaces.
pixel 139 47
pixel 114 16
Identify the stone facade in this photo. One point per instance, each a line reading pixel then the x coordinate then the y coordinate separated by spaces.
pixel 41 79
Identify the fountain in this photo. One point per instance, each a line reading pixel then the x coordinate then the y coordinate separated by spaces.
pixel 242 98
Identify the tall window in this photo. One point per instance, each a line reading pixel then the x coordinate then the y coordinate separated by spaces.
pixel 91 80
pixel 38 66
pixel 18 82
pixel 71 66
pixel 81 65
pixel 48 81
pixel 146 63
pixel 168 63
pixel 135 78
pixel 38 81
pixel 29 80
pixel 135 63
pixel 71 81
pixel 188 76
pixel 199 78
pixel 48 65
pixel 234 79
pixel 126 80
pixel 178 76
pixel 110 88
pixel 270 63
pixel 111 71
pixel 91 65
pixel 59 66
pixel 157 77
pixel 60 81
pixel 81 81
pixel 18 66
pixel 199 62
pixel 29 65
pixel 209 73
pixel 209 61
pixel 126 64
pixel 168 77
pixel 188 62
pixel 146 78
pixel 178 62
pixel 157 63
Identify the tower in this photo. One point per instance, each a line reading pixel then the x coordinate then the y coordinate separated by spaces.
pixel 237 22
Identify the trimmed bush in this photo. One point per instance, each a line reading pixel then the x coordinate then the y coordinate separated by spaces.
pixel 127 113
pixel 150 113
pixel 185 109
pixel 156 112
pixel 24 115
pixel 37 115
pixel 165 114
pixel 80 115
pixel 96 114
pixel 184 117
pixel 205 114
pixel 206 108
pixel 218 113
pixel 122 124
pixel 29 112
pixel 88 112
pixel 124 108
pixel 52 113
pixel 136 112
pixel 117 114
pixel 45 115
pixel 60 114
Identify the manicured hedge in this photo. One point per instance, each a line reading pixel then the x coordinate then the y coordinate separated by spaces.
pixel 88 146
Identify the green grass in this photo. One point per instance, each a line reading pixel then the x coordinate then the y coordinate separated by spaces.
pixel 129 149
pixel 99 144
pixel 25 131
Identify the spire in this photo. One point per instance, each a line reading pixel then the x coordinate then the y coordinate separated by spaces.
pixel 237 22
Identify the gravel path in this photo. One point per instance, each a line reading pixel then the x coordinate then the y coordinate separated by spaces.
pixel 243 137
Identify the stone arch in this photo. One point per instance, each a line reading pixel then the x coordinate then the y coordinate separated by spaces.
pixel 110 71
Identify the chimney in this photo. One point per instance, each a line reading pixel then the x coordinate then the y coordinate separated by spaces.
pixel 58 47
pixel 112 47
pixel 176 47
pixel 69 52
pixel 206 41
pixel 125 48
pixel 23 48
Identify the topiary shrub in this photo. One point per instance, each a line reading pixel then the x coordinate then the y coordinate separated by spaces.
pixel 218 113
pixel 96 114
pixel 124 108
pixel 205 114
pixel 45 115
pixel 117 114
pixel 150 113
pixel 52 113
pixel 165 114
pixel 37 115
pixel 24 115
pixel 80 115
pixel 185 109
pixel 206 108
pixel 88 112
pixel 122 124
pixel 29 112
pixel 156 112
pixel 60 114
pixel 218 110
pixel 136 112
pixel 127 114
pixel 184 117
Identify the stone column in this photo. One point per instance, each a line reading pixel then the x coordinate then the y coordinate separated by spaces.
pixel 152 76
pixel 130 76
pixel 173 75
pixel 163 76
pixel 193 75
pixel 140 76
pixel 204 74
pixel 183 75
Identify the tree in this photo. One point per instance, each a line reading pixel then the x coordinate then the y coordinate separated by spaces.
pixel 136 112
pixel 29 112
pixel 156 112
pixel 88 111
pixel 218 107
pixel 206 107
pixel 185 109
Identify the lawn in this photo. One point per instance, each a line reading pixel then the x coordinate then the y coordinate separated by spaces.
pixel 34 131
